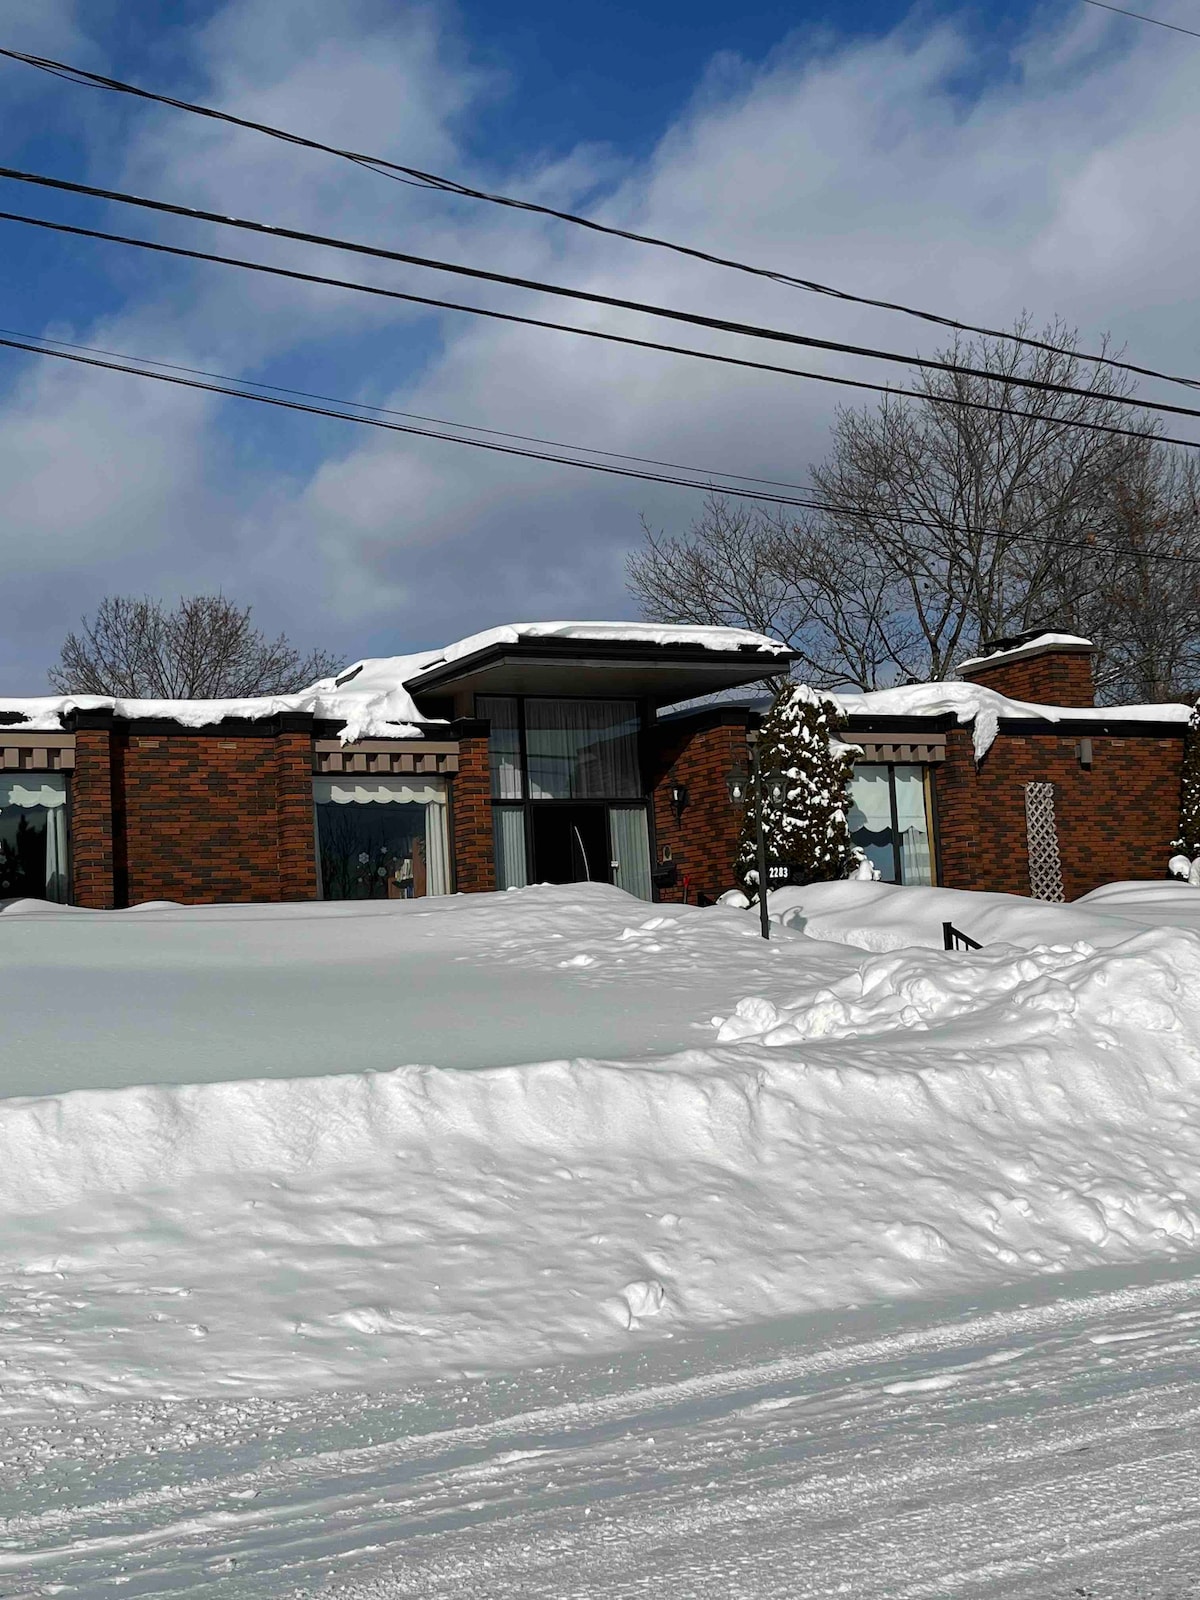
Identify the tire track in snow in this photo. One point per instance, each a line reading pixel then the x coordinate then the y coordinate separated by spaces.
pixel 935 1452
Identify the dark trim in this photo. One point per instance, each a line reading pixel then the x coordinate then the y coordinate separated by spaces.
pixel 1073 727
pixel 167 728
pixel 1078 727
pixel 620 652
pixel 465 728
pixel 702 718
pixel 935 822
pixel 860 722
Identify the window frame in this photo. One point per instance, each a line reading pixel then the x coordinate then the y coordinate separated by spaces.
pixel 931 817
pixel 642 799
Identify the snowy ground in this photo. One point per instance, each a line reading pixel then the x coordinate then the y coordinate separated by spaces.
pixel 545 1244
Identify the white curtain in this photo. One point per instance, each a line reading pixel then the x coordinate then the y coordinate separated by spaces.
pixel 870 817
pixel 437 850
pixel 352 791
pixel 912 821
pixel 582 749
pixel 512 868
pixel 630 850
pixel 504 744
pixel 46 793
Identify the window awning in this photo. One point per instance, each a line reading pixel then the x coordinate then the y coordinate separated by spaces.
pixel 376 792
pixel 28 792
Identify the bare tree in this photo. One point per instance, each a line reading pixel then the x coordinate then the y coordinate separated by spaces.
pixel 204 649
pixel 981 509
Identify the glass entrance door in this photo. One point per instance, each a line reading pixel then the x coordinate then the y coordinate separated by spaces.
pixel 570 844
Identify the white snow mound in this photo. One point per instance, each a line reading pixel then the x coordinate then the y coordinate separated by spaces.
pixel 855 1126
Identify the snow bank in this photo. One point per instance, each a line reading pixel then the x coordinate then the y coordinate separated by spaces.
pixel 885 916
pixel 853 1126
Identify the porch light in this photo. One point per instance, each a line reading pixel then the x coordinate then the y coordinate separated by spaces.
pixel 738 784
pixel 679 799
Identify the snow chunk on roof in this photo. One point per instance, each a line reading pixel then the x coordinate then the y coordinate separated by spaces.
pixel 364 715
pixel 985 709
pixel 1028 647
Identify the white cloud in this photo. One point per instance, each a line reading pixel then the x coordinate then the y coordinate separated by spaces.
pixel 1065 188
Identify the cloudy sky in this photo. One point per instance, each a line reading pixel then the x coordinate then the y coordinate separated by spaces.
pixel 976 159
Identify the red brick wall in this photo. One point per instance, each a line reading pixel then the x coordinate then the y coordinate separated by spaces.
pixel 1054 679
pixel 91 797
pixel 296 836
pixel 703 843
pixel 471 841
pixel 1115 821
pixel 218 817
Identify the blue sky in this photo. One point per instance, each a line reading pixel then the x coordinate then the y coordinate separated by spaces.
pixel 983 159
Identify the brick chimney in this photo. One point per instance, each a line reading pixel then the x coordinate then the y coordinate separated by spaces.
pixel 1053 669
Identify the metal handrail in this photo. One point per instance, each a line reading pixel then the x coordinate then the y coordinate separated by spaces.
pixel 955 939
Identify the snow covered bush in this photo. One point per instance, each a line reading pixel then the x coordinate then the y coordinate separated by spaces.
pixel 1189 807
pixel 806 830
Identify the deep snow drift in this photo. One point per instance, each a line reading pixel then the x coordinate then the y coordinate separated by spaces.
pixel 706 1129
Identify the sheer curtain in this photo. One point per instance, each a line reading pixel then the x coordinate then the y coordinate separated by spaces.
pixel 630 850
pixel 912 821
pixel 582 749
pixel 870 818
pixel 504 745
pixel 512 868
pixel 38 800
pixel 437 848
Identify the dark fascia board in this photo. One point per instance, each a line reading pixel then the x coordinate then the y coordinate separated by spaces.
pixel 603 652
pixel 863 723
pixel 1066 727
pixel 1096 727
pixel 699 719
pixel 165 728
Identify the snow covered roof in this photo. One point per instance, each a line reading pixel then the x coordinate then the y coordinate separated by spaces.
pixel 985 709
pixel 373 698
pixel 1038 644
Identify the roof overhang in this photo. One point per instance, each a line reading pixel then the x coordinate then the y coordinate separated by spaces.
pixel 623 669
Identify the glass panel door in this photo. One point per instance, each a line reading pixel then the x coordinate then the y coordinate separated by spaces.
pixel 630 839
pixel 912 825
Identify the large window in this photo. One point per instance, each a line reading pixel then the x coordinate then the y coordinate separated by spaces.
pixel 381 838
pixel 889 821
pixel 557 766
pixel 33 836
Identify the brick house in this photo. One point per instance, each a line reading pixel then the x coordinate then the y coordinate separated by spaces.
pixel 551 752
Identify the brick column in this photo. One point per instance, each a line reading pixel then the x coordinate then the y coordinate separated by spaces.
pixel 294 807
pixel 967 856
pixel 472 846
pixel 699 752
pixel 93 834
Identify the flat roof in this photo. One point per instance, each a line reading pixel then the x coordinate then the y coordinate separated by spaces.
pixel 643 669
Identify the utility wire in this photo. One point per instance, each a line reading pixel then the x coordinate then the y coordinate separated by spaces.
pixel 1138 16
pixel 415 177
pixel 691 318
pixel 229 389
pixel 391 411
pixel 993 407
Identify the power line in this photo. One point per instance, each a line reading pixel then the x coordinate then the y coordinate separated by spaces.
pixel 416 178
pixel 691 318
pixel 1138 16
pixel 228 387
pixel 391 411
pixel 992 407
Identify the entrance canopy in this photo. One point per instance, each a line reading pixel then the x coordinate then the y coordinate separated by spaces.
pixel 643 661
